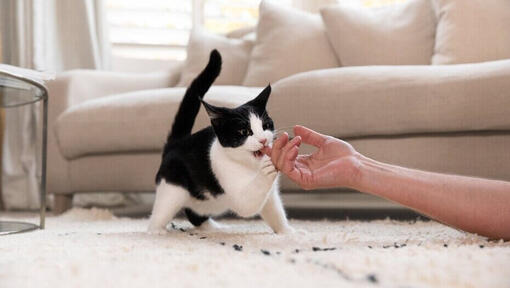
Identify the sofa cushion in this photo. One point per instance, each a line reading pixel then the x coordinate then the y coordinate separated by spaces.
pixel 288 41
pixel 133 122
pixel 365 101
pixel 472 31
pixel 235 55
pixel 396 34
pixel 361 101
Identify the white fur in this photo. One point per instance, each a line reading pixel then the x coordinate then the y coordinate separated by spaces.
pixel 274 214
pixel 169 200
pixel 250 185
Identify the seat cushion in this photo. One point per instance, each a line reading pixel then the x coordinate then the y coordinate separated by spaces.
pixel 133 122
pixel 358 101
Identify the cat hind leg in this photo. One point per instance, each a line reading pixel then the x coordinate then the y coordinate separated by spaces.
pixel 169 200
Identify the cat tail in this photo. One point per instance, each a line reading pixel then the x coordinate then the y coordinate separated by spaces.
pixel 190 105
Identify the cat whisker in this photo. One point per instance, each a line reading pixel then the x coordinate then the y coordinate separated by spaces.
pixel 279 132
pixel 287 128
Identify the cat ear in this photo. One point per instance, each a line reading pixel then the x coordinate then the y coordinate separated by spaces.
pixel 261 100
pixel 213 111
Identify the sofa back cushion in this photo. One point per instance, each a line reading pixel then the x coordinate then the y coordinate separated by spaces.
pixel 363 101
pixel 235 55
pixel 288 41
pixel 136 121
pixel 471 31
pixel 396 34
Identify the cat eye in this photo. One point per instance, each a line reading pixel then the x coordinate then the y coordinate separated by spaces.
pixel 266 126
pixel 244 132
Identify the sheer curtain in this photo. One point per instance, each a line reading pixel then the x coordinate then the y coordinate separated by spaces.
pixel 53 35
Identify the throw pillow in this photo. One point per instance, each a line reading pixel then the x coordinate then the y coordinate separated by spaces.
pixel 396 34
pixel 471 31
pixel 235 55
pixel 288 41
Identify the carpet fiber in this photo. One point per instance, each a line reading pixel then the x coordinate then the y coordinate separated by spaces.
pixel 92 248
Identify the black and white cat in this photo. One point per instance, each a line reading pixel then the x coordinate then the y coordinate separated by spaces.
pixel 219 168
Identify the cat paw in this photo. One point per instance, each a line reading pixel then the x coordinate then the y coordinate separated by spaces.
pixel 267 168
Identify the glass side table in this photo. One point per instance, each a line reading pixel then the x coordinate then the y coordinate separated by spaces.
pixel 15 91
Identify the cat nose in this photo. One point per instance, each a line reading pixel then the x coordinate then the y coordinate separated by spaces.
pixel 263 141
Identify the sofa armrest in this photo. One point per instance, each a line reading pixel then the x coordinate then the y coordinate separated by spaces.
pixel 91 84
pixel 396 100
pixel 74 87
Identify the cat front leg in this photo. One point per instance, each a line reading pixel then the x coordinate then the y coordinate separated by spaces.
pixel 274 215
pixel 169 200
pixel 248 201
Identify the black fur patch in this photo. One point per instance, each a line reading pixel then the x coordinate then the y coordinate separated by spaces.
pixel 194 218
pixel 188 165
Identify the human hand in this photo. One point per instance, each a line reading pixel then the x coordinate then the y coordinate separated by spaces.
pixel 335 163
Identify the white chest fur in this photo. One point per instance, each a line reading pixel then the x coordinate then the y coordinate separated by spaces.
pixel 233 170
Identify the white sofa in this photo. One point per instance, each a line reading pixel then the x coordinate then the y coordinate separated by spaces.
pixel 106 129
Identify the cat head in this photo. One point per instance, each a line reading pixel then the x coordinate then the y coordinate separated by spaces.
pixel 247 127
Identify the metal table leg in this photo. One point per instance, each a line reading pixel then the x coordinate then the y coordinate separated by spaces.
pixel 43 162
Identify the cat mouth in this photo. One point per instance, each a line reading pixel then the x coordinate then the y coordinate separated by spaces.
pixel 258 154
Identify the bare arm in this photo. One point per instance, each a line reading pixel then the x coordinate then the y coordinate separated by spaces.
pixel 472 204
pixel 475 205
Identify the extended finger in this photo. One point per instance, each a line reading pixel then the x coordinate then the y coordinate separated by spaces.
pixel 290 160
pixel 277 147
pixel 296 141
pixel 309 136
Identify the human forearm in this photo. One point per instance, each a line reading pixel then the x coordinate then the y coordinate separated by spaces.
pixel 471 204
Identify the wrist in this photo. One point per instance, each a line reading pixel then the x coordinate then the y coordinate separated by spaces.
pixel 361 172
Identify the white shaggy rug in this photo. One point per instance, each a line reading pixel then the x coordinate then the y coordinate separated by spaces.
pixel 92 248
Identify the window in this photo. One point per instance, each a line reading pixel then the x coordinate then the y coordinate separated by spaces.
pixel 223 16
pixel 159 29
